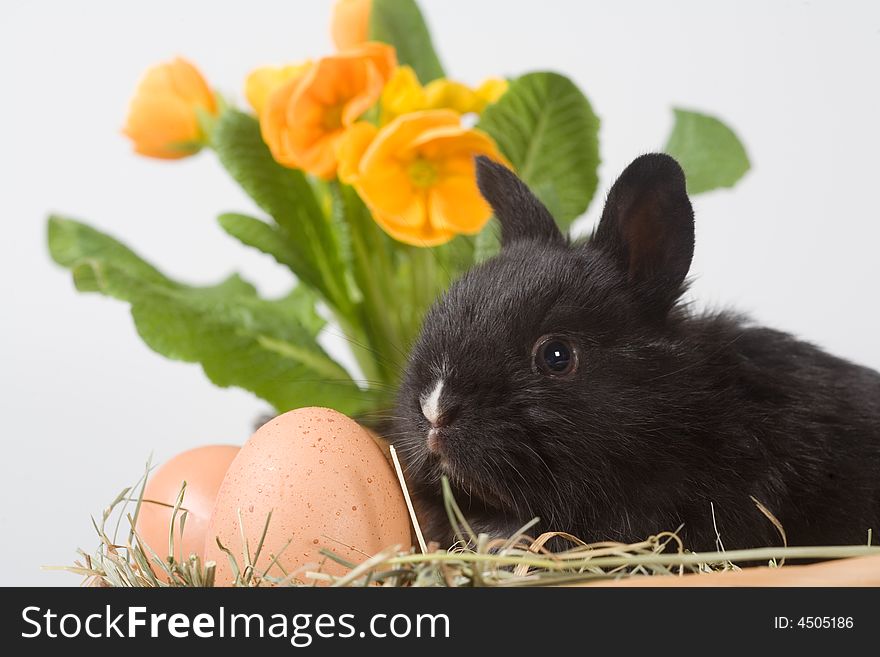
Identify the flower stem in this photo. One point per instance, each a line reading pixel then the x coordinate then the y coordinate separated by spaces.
pixel 373 326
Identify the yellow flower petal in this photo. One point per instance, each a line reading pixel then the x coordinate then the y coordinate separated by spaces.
pixel 351 148
pixel 399 135
pixel 417 177
pixel 387 189
pixel 388 185
pixel 451 95
pixel 448 140
pixel 490 91
pixel 423 234
pixel 261 82
pixel 402 94
pixel 273 123
pixel 456 205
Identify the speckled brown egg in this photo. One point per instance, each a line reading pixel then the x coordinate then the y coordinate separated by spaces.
pixel 326 483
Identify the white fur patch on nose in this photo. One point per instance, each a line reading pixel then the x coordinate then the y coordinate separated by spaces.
pixel 431 403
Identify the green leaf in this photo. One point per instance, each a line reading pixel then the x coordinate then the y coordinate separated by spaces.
pixel 266 346
pixel 547 129
pixel 71 241
pixel 399 23
pixel 269 239
pixel 487 243
pixel 710 153
pixel 285 194
pixel 288 197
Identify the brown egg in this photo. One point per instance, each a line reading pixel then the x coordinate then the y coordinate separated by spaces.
pixel 326 483
pixel 203 469
pixel 383 445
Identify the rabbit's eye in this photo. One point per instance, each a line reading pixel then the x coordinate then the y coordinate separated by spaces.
pixel 554 356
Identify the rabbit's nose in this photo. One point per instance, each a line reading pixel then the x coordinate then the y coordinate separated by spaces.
pixel 437 434
pixel 439 413
pixel 445 418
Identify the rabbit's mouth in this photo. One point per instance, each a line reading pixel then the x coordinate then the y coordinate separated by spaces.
pixel 435 442
pixel 470 489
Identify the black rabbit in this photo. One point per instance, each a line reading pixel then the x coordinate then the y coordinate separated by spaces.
pixel 566 381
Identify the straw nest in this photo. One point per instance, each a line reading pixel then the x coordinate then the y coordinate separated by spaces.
pixel 123 559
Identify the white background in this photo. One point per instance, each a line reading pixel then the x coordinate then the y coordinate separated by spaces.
pixel 84 402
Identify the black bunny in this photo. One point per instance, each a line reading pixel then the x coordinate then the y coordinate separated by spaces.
pixel 566 381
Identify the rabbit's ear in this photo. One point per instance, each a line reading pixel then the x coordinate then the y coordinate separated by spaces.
pixel 647 226
pixel 521 215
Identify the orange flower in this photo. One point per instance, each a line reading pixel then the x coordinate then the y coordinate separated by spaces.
pixel 305 117
pixel 163 117
pixel 350 23
pixel 351 148
pixel 261 82
pixel 417 176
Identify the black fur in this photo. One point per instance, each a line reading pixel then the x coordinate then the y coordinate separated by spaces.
pixel 669 413
pixel 525 217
